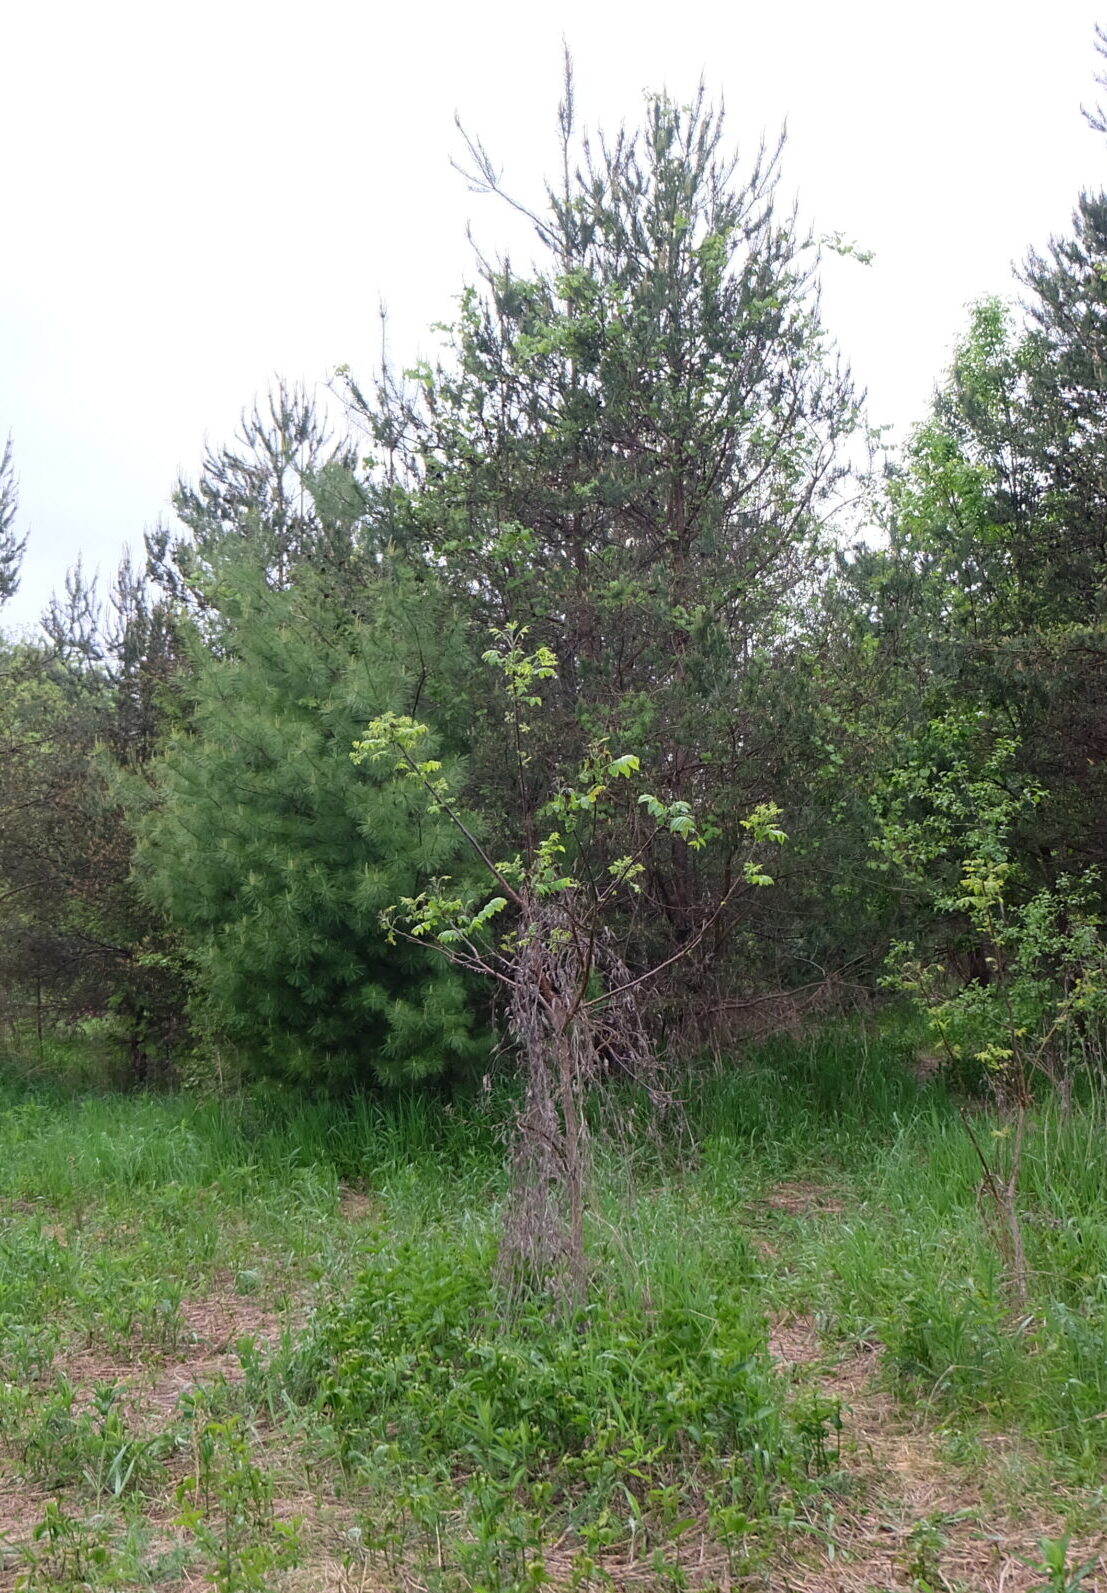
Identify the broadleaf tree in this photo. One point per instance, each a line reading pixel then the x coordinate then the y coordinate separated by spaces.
pixel 549 937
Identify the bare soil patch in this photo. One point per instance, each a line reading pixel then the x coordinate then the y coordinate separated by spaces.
pixel 152 1382
pixel 917 1514
pixel 21 1506
pixel 801 1198
pixel 356 1206
pixel 794 1342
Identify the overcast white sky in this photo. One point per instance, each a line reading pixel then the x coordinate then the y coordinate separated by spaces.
pixel 196 197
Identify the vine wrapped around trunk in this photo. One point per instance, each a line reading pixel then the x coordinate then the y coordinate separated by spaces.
pixel 547 938
pixel 565 1045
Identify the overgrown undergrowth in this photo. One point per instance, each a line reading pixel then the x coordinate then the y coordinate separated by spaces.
pixel 240 1334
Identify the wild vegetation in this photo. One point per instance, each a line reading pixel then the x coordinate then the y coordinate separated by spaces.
pixel 256 1342
pixel 553 992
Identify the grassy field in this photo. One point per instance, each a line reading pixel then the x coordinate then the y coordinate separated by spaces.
pixel 252 1343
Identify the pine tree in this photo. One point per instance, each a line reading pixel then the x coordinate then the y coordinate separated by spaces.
pixel 274 856
pixel 76 710
pixel 285 488
pixel 11 547
pixel 631 451
pixel 1000 535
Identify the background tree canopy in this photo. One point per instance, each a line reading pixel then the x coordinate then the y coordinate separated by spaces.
pixel 641 454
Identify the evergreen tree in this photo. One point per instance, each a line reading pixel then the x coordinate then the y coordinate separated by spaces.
pixel 275 857
pixel 1000 535
pixel 285 488
pixel 1067 438
pixel 11 546
pixel 632 451
pixel 73 932
pixel 74 938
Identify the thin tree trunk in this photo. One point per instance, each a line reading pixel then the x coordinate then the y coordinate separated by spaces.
pixel 573 1131
pixel 1020 1272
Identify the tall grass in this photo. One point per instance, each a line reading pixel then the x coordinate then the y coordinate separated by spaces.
pixel 916 1259
pixel 448 1416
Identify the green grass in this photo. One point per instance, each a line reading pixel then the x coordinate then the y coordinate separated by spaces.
pixel 916 1260
pixel 395 1402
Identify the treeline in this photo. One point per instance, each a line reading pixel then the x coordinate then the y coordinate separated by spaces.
pixel 638 462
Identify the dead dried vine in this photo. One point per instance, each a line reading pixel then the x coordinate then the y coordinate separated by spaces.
pixel 566 1043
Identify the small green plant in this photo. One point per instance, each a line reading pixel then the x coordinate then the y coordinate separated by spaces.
pixel 66 1554
pixel 922 1561
pixel 1039 998
pixel 227 1504
pixel 117 1459
pixel 1053 1566
pixel 819 1425
pixel 62 1446
pixel 610 1425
